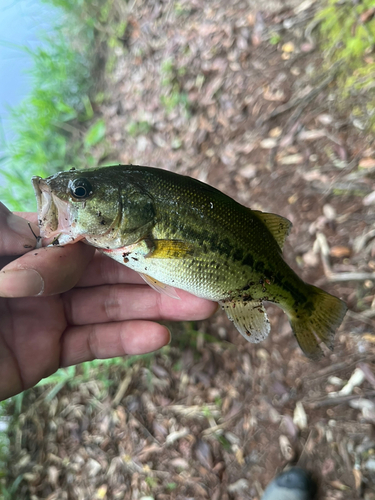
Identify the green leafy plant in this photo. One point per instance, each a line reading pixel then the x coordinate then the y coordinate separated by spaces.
pixel 55 125
pixel 136 128
pixel 347 31
pixel 174 95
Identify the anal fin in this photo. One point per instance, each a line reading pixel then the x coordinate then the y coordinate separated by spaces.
pixel 160 287
pixel 250 319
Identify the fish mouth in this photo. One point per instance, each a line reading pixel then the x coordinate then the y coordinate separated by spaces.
pixel 53 213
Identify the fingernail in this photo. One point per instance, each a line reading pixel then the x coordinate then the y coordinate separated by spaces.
pixel 22 227
pixel 21 283
pixel 170 336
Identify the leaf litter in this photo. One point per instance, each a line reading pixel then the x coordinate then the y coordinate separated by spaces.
pixel 199 89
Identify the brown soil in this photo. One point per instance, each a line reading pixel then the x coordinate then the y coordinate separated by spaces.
pixel 211 416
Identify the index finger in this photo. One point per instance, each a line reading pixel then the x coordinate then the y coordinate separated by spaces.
pixel 46 271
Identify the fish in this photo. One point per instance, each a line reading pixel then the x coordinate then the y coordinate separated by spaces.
pixel 180 233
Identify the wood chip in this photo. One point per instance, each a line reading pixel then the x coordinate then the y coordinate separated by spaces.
pixel 296 159
pixel 268 143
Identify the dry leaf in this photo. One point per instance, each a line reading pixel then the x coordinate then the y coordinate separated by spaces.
pixel 275 132
pixel 367 15
pixel 286 448
pixel 340 252
pixel 357 478
pixel 339 485
pixel 299 416
pixel 239 456
pixel 369 199
pixel 268 143
pixel 288 47
pixel 367 162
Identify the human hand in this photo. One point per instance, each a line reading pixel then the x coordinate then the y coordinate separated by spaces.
pixel 60 306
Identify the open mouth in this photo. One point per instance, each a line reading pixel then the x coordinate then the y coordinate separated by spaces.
pixel 53 213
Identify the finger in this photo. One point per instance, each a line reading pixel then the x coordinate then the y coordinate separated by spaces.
pixel 89 342
pixel 107 303
pixel 29 350
pixel 103 270
pixel 46 271
pixel 17 235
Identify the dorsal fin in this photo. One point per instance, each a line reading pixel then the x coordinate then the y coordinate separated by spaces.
pixel 278 226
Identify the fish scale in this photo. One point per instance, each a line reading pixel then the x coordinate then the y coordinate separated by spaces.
pixel 179 232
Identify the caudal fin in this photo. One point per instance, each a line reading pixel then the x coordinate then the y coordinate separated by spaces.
pixel 317 321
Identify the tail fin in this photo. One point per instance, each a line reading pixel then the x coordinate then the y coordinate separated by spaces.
pixel 317 321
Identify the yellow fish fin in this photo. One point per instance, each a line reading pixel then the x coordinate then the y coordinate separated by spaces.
pixel 160 287
pixel 250 318
pixel 170 249
pixel 278 226
pixel 315 322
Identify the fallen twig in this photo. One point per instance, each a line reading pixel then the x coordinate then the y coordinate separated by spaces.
pixel 337 400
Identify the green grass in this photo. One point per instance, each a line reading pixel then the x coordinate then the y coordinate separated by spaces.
pixel 174 96
pixel 56 127
pixel 347 32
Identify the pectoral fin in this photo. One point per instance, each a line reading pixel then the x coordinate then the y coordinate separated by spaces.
pixel 170 249
pixel 250 319
pixel 160 287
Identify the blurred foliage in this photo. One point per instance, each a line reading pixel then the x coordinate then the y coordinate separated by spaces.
pixel 56 127
pixel 172 81
pixel 348 35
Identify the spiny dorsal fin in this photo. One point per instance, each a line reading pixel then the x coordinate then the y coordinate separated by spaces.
pixel 250 319
pixel 278 226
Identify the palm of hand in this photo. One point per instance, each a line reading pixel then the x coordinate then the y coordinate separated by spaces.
pixel 30 341
pixel 87 307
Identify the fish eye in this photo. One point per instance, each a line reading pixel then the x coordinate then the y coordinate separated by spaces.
pixel 80 188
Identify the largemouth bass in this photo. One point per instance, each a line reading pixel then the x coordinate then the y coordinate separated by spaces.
pixel 178 232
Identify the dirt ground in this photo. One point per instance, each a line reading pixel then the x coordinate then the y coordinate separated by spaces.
pixel 234 94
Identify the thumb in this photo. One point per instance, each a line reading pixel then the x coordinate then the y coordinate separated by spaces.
pixel 16 233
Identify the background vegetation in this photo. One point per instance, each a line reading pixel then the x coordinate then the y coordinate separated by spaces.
pixel 347 34
pixel 56 125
